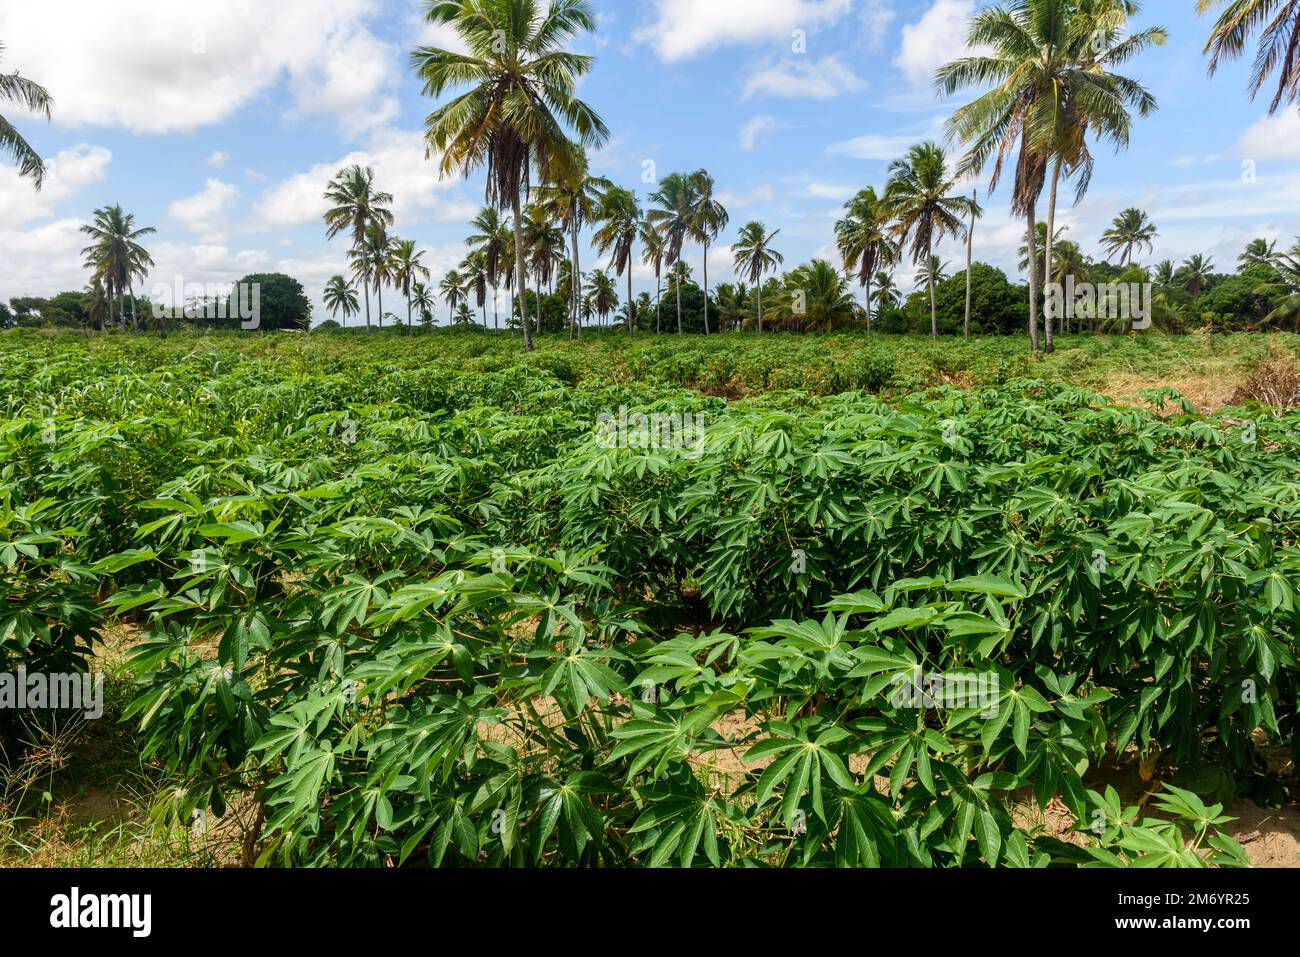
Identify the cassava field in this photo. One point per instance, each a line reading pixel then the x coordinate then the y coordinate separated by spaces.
pixel 423 600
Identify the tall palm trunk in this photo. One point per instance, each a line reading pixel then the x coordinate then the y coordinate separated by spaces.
pixel 409 324
pixel 574 282
pixel 379 290
pixel 1033 276
pixel 659 301
pixel 679 306
pixel 496 309
pixel 868 302
pixel 135 309
pixel 631 322
pixel 519 275
pixel 934 309
pixel 970 259
pixel 1048 319
pixel 760 305
pixel 366 284
pixel 706 287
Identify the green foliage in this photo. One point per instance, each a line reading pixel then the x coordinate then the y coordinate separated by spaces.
pixel 414 607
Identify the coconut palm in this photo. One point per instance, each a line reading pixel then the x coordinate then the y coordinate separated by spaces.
pixel 824 295
pixel 887 295
pixel 733 304
pixel 341 297
pixel 491 238
pixel 1040 250
pixel 1287 288
pixel 755 257
pixel 708 220
pixel 602 294
pixel 95 304
pixel 356 206
pixel 1279 44
pixel 620 224
pixel 116 258
pixel 405 268
pixel 544 243
pixel 521 98
pixel 453 291
pixel 369 261
pixel 572 198
pixel 865 242
pixel 1258 253
pixel 422 298
pixel 1165 273
pixel 920 199
pixel 653 250
pixel 1048 64
pixel 936 272
pixel 1131 230
pixel 33 97
pixel 674 214
pixel 474 271
pixel 1196 274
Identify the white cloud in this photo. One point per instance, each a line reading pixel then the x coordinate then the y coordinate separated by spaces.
pixel 684 28
pixel 836 191
pixel 937 38
pixel 67 173
pixel 886 147
pixel 158 68
pixel 731 200
pixel 758 126
pixel 822 79
pixel 1273 137
pixel 397 157
pixel 207 214
pixel 218 159
pixel 877 15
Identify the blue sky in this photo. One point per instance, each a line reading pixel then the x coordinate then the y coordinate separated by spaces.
pixel 219 122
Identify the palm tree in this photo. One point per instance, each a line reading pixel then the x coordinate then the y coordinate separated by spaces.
pixel 452 288
pixel 975 213
pixel 405 268
pixel 116 257
pixel 919 197
pixel 620 224
pixel 1040 250
pixel 369 260
pixel 1131 230
pixel 490 239
pixel 543 242
pixel 864 240
pixel 1048 64
pixel 602 294
pixel 826 296
pixel 676 201
pixel 935 272
pixel 96 305
pixel 572 198
pixel 708 221
pixel 356 205
pixel 887 296
pixel 512 119
pixel 33 97
pixel 1165 273
pixel 1196 274
pixel 755 257
pixel 733 304
pixel 475 272
pixel 341 296
pixel 1279 43
pixel 1287 266
pixel 653 249
pixel 1258 253
pixel 422 298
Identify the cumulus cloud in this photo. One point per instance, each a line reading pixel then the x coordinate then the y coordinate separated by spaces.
pixel 160 68
pixel 937 38
pixel 1273 137
pixel 207 214
pixel 822 79
pixel 397 157
pixel 758 126
pixel 681 29
pixel 68 172
pixel 732 200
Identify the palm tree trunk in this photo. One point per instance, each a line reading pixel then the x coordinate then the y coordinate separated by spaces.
pixel 367 292
pixel 409 324
pixel 519 274
pixel 706 287
pixel 970 258
pixel 1048 319
pixel 679 306
pixel 659 301
pixel 631 325
pixel 934 310
pixel 760 305
pixel 135 311
pixel 868 302
pixel 574 282
pixel 1033 278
